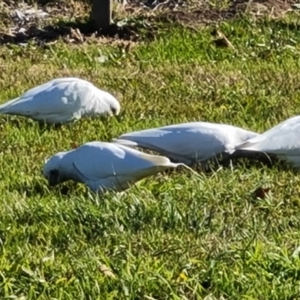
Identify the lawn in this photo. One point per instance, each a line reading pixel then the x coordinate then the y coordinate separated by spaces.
pixel 227 234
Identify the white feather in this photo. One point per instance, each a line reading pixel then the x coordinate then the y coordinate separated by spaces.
pixel 281 140
pixel 103 166
pixel 62 100
pixel 188 142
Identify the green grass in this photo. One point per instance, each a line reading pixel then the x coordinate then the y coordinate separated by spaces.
pixel 174 236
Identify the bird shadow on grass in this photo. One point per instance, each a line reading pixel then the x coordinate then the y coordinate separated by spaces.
pixel 244 159
pixel 257 160
pixel 41 188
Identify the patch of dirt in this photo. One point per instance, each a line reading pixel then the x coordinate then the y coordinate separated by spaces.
pixel 146 17
pixel 264 7
pixel 77 33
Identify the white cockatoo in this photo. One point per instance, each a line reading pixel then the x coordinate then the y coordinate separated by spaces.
pixel 281 140
pixel 62 100
pixel 188 142
pixel 104 166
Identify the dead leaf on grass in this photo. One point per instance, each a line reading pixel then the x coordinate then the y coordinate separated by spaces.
pixel 76 35
pixel 74 145
pixel 106 271
pixel 222 40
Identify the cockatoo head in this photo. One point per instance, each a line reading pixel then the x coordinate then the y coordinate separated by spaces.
pixel 114 107
pixel 52 170
pixel 108 103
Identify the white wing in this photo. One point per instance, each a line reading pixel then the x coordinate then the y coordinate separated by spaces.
pixel 188 141
pixel 281 139
pixel 58 100
pixel 100 161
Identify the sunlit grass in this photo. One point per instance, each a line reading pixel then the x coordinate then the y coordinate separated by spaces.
pixel 175 236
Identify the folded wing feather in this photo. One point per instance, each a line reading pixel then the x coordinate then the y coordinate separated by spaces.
pixel 103 160
pixel 59 96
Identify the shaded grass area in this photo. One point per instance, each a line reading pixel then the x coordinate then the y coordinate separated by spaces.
pixel 132 21
pixel 172 236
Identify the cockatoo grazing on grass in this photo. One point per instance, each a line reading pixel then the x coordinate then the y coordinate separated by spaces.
pixel 62 100
pixel 104 166
pixel 282 140
pixel 188 142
